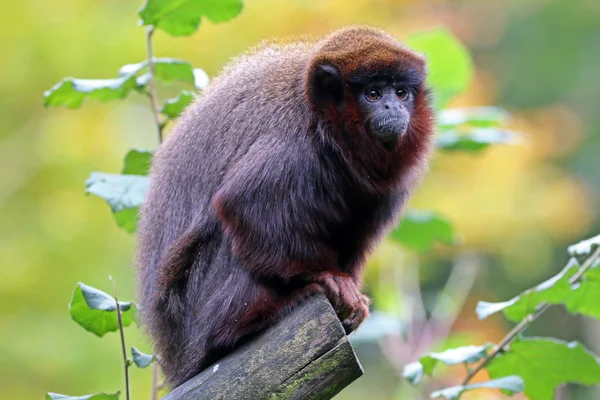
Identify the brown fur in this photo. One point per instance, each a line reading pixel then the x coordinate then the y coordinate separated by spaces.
pixel 265 194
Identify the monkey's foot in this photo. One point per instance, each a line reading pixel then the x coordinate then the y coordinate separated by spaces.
pixel 351 305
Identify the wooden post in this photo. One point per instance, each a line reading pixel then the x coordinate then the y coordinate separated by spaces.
pixel 305 356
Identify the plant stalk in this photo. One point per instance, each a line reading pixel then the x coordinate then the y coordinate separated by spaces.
pixel 525 322
pixel 152 84
pixel 123 346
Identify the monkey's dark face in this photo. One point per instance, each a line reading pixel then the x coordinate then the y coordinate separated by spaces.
pixel 383 99
pixel 386 107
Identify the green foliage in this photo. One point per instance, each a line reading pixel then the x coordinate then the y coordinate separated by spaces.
pixel 182 17
pixel 554 290
pixel 584 247
pixel 475 139
pixel 167 70
pixel 71 92
pixel 420 230
pixel 96 311
pixel 141 360
pixel 99 396
pixel 473 128
pixel 174 107
pixel 510 384
pixel 137 162
pixel 123 193
pixel 580 298
pixel 413 372
pixel 544 364
pixel 449 63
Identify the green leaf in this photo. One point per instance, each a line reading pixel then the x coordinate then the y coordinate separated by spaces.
pixel 555 290
pixel 419 230
pixel 585 247
pixel 95 310
pixel 482 117
pixel 414 371
pixel 167 70
pixel 137 162
pixel 123 193
pixel 141 360
pixel 475 139
pixel 449 63
pixel 585 297
pixel 182 17
pixel 71 92
pixel 511 384
pixel 99 396
pixel 174 107
pixel 545 364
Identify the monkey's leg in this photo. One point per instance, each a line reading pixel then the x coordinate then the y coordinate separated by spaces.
pixel 350 304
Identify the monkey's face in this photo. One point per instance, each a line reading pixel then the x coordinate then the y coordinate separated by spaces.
pixel 384 100
pixel 386 106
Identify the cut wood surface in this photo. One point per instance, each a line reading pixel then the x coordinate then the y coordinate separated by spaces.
pixel 305 356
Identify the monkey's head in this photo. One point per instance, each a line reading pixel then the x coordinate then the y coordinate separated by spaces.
pixel 364 77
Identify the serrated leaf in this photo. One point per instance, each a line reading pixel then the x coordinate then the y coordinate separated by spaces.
pixel 182 17
pixel 95 310
pixel 554 290
pixel 512 384
pixel 475 139
pixel 165 69
pixel 483 117
pixel 545 364
pixel 584 247
pixel 414 371
pixel 141 360
pixel 123 193
pixel 137 162
pixel 99 396
pixel 71 92
pixel 420 230
pixel 174 107
pixel 449 63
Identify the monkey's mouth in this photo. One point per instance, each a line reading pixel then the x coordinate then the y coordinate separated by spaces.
pixel 389 129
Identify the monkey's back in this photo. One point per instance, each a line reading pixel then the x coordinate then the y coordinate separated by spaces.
pixel 256 96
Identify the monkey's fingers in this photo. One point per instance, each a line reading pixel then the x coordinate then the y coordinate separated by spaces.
pixel 358 316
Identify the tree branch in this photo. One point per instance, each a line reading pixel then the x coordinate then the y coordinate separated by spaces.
pixel 152 83
pixel 525 322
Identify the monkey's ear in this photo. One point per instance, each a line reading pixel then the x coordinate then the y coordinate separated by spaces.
pixel 327 85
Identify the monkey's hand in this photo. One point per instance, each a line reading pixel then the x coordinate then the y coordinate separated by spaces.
pixel 351 305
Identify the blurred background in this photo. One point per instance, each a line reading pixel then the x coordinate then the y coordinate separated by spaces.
pixel 515 208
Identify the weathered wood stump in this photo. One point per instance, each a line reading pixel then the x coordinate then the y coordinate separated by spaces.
pixel 305 356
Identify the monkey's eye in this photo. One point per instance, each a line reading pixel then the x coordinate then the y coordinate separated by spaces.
pixel 402 94
pixel 373 94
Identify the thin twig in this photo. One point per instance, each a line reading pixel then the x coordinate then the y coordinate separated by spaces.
pixel 155 368
pixel 525 322
pixel 126 361
pixel 152 83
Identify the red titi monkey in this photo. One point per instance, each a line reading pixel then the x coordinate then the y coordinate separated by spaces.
pixel 274 185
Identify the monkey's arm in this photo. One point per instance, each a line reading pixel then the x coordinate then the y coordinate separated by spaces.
pixel 273 207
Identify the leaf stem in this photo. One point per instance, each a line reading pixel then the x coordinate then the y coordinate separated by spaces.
pixel 152 83
pixel 155 384
pixel 527 320
pixel 126 362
